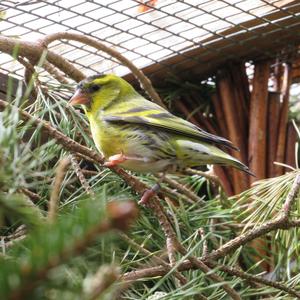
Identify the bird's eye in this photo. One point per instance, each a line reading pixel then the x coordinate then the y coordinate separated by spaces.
pixel 94 88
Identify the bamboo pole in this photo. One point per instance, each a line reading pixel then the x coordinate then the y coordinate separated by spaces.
pixel 257 140
pixel 219 115
pixel 290 155
pixel 242 98
pixel 227 97
pixel 272 132
pixel 258 120
pixel 283 119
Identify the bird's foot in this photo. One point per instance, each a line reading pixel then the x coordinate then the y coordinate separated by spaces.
pixel 149 193
pixel 115 160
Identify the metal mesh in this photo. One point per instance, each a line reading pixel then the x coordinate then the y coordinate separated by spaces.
pixel 163 33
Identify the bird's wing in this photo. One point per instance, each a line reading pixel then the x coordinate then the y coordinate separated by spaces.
pixel 149 114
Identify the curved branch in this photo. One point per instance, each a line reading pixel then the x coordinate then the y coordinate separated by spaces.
pixel 187 265
pixel 34 50
pixel 139 75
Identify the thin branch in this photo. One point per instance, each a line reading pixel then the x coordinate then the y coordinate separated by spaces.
pixel 57 184
pixel 205 246
pixel 281 222
pixel 254 278
pixel 209 273
pixel 208 175
pixel 34 50
pixel 187 265
pixel 145 82
pixel 290 199
pixel 185 191
pixel 55 73
pixel 155 258
pixel 168 192
pixel 81 177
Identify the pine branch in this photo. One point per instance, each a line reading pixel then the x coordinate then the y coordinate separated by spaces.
pixel 60 243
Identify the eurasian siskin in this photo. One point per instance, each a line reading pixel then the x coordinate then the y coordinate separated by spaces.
pixel 141 136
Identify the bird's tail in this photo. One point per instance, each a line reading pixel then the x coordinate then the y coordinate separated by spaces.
pixel 195 154
pixel 239 165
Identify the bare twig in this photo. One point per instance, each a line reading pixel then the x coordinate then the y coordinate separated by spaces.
pixel 208 175
pixel 254 278
pixel 290 199
pixel 59 177
pixel 81 177
pixel 185 191
pixel 155 258
pixel 205 246
pixel 213 276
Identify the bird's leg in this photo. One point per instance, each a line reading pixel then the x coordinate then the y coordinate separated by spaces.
pixel 151 192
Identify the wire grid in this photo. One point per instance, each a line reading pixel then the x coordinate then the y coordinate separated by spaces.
pixel 147 33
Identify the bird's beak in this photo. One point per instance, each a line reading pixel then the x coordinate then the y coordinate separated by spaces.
pixel 79 98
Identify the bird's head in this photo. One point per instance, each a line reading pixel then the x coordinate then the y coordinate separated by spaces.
pixel 99 91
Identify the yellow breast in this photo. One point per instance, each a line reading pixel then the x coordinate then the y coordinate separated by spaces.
pixel 106 138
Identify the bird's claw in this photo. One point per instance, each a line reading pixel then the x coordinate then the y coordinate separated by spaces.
pixel 115 160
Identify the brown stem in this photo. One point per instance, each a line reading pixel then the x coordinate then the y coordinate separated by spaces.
pixel 55 73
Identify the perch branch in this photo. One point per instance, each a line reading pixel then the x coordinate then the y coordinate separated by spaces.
pixel 139 75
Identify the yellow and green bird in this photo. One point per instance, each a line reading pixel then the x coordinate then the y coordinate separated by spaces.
pixel 141 136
